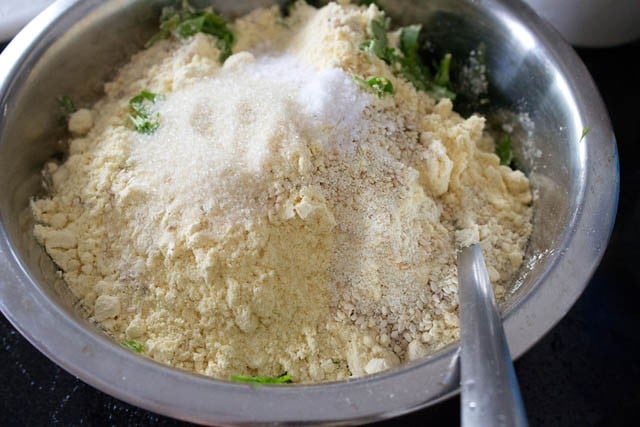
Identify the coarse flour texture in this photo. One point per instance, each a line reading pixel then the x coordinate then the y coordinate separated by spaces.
pixel 282 217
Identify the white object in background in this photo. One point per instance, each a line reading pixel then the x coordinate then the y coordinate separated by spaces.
pixel 592 23
pixel 15 14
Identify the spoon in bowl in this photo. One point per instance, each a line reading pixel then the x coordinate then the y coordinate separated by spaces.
pixel 490 393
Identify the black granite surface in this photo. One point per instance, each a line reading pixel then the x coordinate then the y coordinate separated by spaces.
pixel 585 372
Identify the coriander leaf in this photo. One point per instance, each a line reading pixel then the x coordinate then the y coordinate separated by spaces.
pixel 145 125
pixel 285 378
pixel 66 105
pixel 169 20
pixel 380 85
pixel 442 76
pixel 412 67
pixel 144 120
pixel 208 22
pixel 139 102
pixel 190 27
pixel 409 42
pixel 188 21
pixel 504 150
pixel 378 44
pixel 416 72
pixel 585 131
pixel 132 345
pixel 379 29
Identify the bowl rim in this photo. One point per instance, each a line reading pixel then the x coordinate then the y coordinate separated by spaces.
pixel 102 363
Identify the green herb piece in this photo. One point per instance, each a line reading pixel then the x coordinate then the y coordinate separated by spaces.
pixel 415 71
pixel 132 345
pixel 504 150
pixel 144 120
pixel 442 76
pixel 138 103
pixel 380 85
pixel 412 67
pixel 188 21
pixel 285 378
pixel 66 105
pixel 378 44
pixel 442 81
pixel 208 22
pixel 169 20
pixel 585 131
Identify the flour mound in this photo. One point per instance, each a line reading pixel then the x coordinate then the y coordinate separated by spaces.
pixel 282 217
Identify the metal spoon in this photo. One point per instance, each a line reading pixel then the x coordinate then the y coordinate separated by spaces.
pixel 490 392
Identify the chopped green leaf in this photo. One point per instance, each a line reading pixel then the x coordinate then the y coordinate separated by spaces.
pixel 378 44
pixel 132 345
pixel 144 120
pixel 138 103
pixel 409 44
pixel 585 131
pixel 504 150
pixel 169 20
pixel 145 125
pixel 414 69
pixel 380 85
pixel 285 378
pixel 442 76
pixel 66 105
pixel 188 21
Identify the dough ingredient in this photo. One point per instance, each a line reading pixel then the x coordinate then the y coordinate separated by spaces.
pixel 281 215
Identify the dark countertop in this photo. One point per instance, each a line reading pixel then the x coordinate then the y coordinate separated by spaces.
pixel 585 372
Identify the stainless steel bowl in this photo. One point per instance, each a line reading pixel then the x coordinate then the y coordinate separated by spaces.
pixel 75 45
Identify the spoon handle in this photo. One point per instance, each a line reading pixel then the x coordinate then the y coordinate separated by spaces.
pixel 490 392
